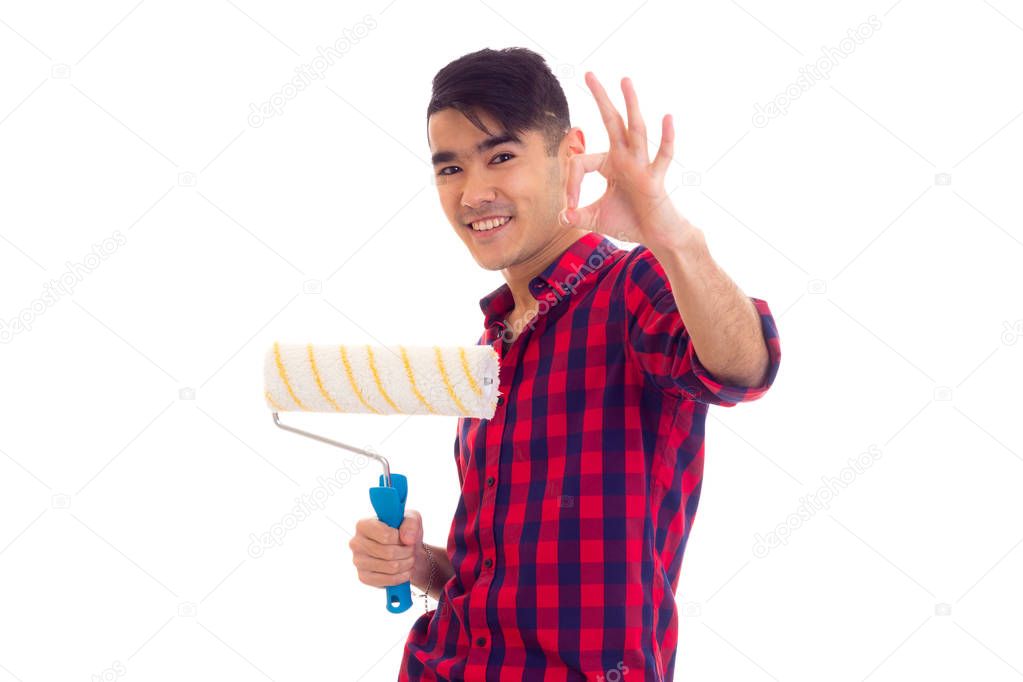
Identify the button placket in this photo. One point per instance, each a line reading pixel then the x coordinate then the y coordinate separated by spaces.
pixel 509 357
pixel 555 300
pixel 487 509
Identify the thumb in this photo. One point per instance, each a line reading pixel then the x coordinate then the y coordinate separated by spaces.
pixel 411 530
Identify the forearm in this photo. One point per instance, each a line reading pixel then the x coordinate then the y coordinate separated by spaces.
pixel 444 571
pixel 722 322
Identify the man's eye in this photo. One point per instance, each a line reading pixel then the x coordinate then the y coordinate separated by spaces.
pixel 442 170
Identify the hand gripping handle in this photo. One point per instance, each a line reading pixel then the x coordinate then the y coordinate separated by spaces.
pixel 389 504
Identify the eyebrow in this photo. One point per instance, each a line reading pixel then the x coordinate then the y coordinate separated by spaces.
pixel 489 143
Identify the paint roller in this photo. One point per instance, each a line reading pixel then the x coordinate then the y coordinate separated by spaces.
pixel 451 381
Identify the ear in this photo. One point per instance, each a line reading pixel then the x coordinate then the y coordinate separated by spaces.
pixel 572 144
pixel 574 141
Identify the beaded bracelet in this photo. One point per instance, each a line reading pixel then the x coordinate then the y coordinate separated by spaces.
pixel 433 570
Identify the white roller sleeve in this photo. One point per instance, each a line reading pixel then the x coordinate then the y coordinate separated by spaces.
pixel 453 381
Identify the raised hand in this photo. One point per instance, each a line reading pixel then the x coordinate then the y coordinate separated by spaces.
pixel 635 207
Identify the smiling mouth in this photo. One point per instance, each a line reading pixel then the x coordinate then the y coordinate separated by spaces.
pixel 493 225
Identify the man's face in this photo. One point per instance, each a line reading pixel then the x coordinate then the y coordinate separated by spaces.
pixel 509 178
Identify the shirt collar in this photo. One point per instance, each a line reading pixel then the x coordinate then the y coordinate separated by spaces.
pixel 576 264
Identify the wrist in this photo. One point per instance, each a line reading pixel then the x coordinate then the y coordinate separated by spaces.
pixel 686 244
pixel 421 571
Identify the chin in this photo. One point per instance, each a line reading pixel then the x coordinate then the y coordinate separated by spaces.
pixel 493 267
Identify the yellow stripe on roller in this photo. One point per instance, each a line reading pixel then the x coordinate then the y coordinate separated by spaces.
pixel 351 380
pixel 284 376
pixel 447 382
pixel 376 378
pixel 412 380
pixel 468 374
pixel 319 382
pixel 273 403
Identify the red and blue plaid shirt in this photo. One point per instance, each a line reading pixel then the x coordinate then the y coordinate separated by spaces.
pixel 579 494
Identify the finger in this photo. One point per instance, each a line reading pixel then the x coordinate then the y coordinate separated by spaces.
pixel 612 119
pixel 377 530
pixel 637 128
pixel 667 149
pixel 387 567
pixel 387 552
pixel 578 167
pixel 411 527
pixel 374 579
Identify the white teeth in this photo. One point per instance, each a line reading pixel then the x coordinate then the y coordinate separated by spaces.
pixel 490 224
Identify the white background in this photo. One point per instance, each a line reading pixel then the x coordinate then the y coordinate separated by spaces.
pixel 126 510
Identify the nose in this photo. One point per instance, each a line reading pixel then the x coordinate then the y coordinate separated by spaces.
pixel 476 192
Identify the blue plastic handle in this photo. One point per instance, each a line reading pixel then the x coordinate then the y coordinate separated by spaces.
pixel 389 504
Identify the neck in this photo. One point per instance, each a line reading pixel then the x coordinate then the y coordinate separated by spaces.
pixel 519 275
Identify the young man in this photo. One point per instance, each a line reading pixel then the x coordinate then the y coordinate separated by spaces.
pixel 577 497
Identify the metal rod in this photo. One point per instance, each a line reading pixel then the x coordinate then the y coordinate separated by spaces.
pixel 328 441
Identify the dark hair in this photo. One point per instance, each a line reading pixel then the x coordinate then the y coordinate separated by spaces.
pixel 514 85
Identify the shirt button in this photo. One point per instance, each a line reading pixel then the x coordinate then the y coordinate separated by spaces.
pixel 488 563
pixel 500 400
pixel 480 641
pixel 490 481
